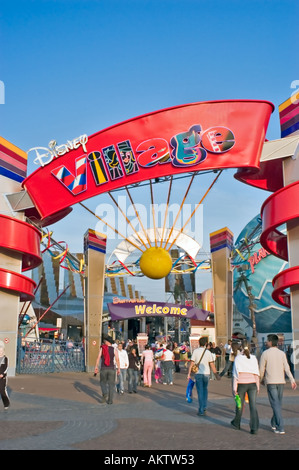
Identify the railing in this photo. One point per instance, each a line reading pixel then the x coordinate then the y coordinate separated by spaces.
pixel 48 356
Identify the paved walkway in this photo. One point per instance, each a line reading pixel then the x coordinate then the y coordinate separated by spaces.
pixel 65 412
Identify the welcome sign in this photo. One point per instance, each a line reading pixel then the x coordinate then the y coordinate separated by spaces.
pixel 187 138
pixel 125 310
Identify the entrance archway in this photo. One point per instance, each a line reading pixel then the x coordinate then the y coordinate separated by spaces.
pixel 184 139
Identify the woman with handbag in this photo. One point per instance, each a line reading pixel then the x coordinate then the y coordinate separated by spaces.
pixel 204 360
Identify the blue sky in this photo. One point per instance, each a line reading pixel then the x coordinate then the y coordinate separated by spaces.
pixel 73 67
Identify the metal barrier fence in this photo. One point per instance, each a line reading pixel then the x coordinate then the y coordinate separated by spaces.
pixel 41 357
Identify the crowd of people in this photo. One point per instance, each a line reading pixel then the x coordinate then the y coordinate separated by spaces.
pixel 121 361
pixel 158 361
pixel 118 362
pixel 247 375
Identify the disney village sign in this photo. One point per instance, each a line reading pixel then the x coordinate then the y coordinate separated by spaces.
pixel 187 138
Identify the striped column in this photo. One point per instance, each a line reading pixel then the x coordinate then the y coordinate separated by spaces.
pixel 221 243
pixel 94 253
pixel 19 249
pixel 289 123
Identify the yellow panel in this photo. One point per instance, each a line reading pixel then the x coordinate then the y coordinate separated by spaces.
pixel 289 101
pixel 13 148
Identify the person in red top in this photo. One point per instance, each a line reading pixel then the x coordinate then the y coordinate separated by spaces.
pixel 106 357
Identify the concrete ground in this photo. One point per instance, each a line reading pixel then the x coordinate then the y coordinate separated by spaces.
pixel 65 411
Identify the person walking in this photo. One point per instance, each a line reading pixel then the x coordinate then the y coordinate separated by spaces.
pixel 245 380
pixel 147 359
pixel 177 353
pixel 3 376
pixel 217 351
pixel 228 361
pixel 123 364
pixel 273 367
pixel 133 370
pixel 108 358
pixel 168 361
pixel 205 359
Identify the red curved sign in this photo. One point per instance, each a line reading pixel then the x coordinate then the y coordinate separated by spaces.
pixel 18 236
pixel 187 138
pixel 17 283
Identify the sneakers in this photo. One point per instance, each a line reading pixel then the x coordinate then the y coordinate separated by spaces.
pixel 276 431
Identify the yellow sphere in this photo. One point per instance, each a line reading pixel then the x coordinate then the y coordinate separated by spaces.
pixel 155 263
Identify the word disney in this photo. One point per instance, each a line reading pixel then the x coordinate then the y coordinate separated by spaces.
pixel 120 159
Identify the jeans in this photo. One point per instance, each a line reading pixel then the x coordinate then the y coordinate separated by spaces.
pixel 227 368
pixel 168 368
pixel 107 382
pixel 251 390
pixel 133 376
pixel 275 393
pixel 121 378
pixel 202 382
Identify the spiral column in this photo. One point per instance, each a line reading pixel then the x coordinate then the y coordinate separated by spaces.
pixel 18 240
pixel 19 249
pixel 282 209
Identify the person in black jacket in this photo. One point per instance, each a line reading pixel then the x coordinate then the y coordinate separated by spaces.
pixel 3 376
pixel 133 370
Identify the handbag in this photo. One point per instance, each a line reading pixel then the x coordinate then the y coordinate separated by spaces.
pixel 195 367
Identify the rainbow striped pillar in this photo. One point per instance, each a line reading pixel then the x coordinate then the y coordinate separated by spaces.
pixel 13 169
pixel 13 161
pixel 289 123
pixel 221 243
pixel 289 116
pixel 94 253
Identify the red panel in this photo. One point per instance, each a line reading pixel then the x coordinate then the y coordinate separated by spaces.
pixel 282 281
pixel 279 208
pixel 16 235
pixel 17 283
pixel 187 138
pixel 269 176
